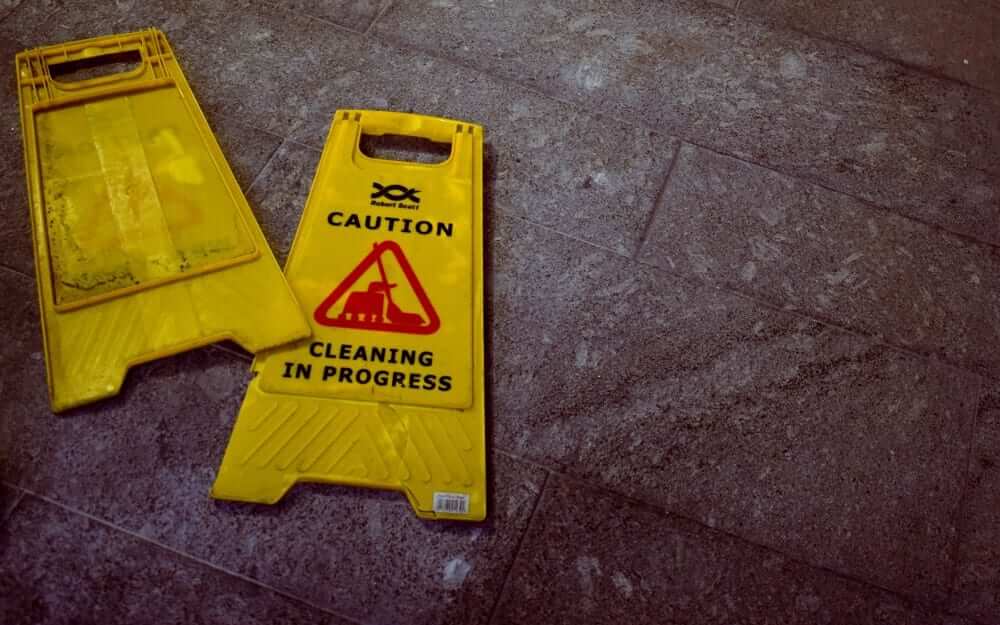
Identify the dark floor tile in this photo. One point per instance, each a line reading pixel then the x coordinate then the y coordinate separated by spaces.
pixel 16 250
pixel 43 22
pixel 246 149
pixel 7 7
pixel 591 557
pixel 145 460
pixel 807 107
pixel 354 14
pixel 957 38
pixel 797 435
pixel 806 248
pixel 59 567
pixel 279 194
pixel 23 390
pixel 15 224
pixel 9 496
pixel 977 583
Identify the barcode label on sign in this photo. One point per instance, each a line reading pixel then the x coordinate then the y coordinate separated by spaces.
pixel 452 503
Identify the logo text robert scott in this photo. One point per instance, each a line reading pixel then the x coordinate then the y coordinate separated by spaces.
pixel 394 192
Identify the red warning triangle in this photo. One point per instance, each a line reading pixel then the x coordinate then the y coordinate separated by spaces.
pixel 372 307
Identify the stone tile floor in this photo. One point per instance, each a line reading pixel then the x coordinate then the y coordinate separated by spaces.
pixel 744 291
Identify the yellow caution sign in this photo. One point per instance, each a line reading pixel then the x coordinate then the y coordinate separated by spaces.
pixel 389 391
pixel 144 244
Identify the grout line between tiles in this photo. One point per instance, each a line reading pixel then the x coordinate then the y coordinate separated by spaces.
pixel 217 117
pixel 867 203
pixel 322 20
pixel 961 507
pixel 929 356
pixel 304 145
pixel 568 236
pixel 517 549
pixel 667 513
pixel 13 507
pixel 657 199
pixel 386 5
pixel 16 272
pixel 263 168
pixel 187 556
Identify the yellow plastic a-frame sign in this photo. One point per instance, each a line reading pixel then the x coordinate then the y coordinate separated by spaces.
pixel 144 244
pixel 389 391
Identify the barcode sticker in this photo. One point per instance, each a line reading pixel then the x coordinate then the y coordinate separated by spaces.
pixel 452 503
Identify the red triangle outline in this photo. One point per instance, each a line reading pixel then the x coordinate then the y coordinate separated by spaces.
pixel 322 313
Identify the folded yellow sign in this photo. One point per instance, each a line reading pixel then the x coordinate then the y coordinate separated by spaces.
pixel 144 244
pixel 389 391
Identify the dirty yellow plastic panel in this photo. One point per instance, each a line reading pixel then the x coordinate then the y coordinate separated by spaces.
pixel 389 391
pixel 144 244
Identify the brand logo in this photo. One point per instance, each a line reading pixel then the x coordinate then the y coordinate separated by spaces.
pixel 395 192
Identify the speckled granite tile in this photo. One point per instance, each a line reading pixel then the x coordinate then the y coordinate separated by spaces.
pixel 23 390
pixel 958 38
pixel 38 23
pixel 15 223
pixel 59 567
pixel 15 226
pixel 9 497
pixel 354 14
pixel 594 558
pixel 977 582
pixel 279 194
pixel 922 146
pixel 246 149
pixel 7 6
pixel 806 248
pixel 818 442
